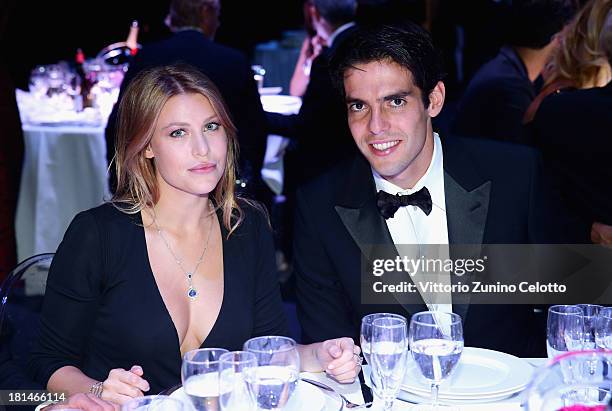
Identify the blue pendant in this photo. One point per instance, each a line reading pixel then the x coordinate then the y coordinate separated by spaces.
pixel 192 293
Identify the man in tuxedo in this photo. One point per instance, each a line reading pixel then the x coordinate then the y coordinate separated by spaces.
pixel 497 97
pixel 194 24
pixel 322 118
pixel 319 132
pixel 461 191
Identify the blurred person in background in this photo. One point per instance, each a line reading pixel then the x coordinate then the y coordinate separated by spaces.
pixel 11 154
pixel 572 129
pixel 321 137
pixel 497 97
pixel 311 47
pixel 194 24
pixel 579 61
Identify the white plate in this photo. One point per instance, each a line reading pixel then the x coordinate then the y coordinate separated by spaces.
pixel 426 399
pixel 281 103
pixel 481 373
pixel 306 397
pixel 270 90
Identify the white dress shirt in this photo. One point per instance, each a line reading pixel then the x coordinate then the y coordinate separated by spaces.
pixel 410 225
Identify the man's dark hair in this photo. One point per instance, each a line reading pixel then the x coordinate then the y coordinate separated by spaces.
pixel 336 12
pixel 406 44
pixel 533 23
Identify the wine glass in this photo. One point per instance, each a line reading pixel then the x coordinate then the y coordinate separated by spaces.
pixel 603 329
pixel 564 329
pixel 389 349
pixel 366 339
pixel 39 82
pixel 200 377
pixel 274 379
pixel 366 331
pixel 233 391
pixel 576 380
pixel 436 344
pixel 590 313
pixel 153 402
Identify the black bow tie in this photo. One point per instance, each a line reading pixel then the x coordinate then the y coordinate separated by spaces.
pixel 388 204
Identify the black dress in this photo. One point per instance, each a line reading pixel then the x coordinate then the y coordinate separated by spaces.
pixel 103 310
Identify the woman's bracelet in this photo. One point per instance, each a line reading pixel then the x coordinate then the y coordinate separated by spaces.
pixel 96 389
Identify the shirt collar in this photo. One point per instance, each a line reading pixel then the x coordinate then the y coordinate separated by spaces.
pixel 433 178
pixel 339 30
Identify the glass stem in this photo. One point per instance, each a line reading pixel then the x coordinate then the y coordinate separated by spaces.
pixel 434 395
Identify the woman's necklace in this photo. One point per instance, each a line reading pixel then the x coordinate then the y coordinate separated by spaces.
pixel 192 292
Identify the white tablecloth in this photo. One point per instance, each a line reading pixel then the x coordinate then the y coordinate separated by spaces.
pixel 64 172
pixel 273 168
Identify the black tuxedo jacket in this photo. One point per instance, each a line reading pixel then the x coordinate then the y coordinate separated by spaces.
pixel 231 73
pixel 572 129
pixel 320 129
pixel 489 200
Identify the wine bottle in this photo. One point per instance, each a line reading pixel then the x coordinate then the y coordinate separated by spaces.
pixel 132 39
pixel 85 83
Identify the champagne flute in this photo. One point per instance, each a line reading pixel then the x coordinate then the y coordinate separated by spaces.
pixel 153 402
pixel 233 392
pixel 590 314
pixel 603 329
pixel 366 331
pixel 389 347
pixel 436 344
pixel 200 377
pixel 564 329
pixel 366 341
pixel 274 379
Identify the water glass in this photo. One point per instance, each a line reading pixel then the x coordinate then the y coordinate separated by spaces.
pixel 436 344
pixel 564 329
pixel 200 377
pixel 275 378
pixel 603 329
pixel 572 380
pixel 258 74
pixel 590 313
pixel 389 349
pixel 153 402
pixel 233 391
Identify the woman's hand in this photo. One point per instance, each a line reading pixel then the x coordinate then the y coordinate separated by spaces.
pixel 339 358
pixel 86 402
pixel 121 385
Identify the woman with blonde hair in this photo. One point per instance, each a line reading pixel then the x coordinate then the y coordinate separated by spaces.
pixel 176 261
pixel 578 62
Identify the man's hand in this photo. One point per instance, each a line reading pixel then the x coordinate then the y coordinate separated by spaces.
pixel 339 358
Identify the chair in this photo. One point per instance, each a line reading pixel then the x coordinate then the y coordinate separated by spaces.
pixel 17 273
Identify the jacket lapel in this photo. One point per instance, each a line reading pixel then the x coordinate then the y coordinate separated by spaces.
pixel 356 207
pixel 467 205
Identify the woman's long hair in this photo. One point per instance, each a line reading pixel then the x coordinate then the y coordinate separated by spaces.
pixel 138 113
pixel 579 60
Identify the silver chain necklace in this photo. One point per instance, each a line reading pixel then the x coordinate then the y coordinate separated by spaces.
pixel 192 292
